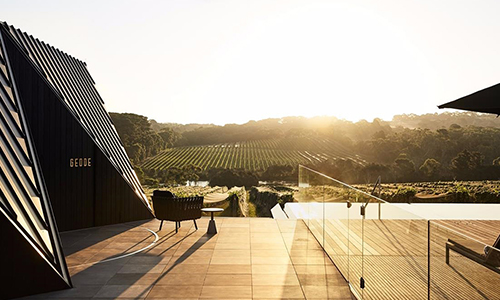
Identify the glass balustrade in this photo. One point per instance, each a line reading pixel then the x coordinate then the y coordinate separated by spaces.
pixel 387 251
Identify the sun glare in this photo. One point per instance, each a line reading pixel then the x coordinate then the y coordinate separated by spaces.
pixel 313 60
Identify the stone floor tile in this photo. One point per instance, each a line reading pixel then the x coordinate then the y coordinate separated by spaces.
pixel 228 279
pixel 174 292
pixel 233 246
pixel 196 253
pixel 277 292
pixel 234 230
pixel 266 239
pixel 88 277
pixel 124 291
pixel 188 269
pixel 136 268
pixel 315 291
pixel 149 260
pixel 233 240
pixel 273 269
pixel 270 246
pixel 230 260
pixel 264 229
pixel 190 260
pixel 271 260
pixel 180 279
pixel 225 292
pixel 196 246
pixel 306 253
pixel 268 252
pixel 308 260
pixel 339 292
pixel 335 279
pixel 133 278
pixel 232 253
pixel 312 279
pixel 275 279
pixel 230 269
pixel 316 269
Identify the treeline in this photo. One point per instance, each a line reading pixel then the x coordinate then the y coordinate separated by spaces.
pixel 138 137
pixel 461 153
pixel 410 155
pixel 436 121
pixel 341 130
pixel 216 177
pixel 465 166
pixel 428 152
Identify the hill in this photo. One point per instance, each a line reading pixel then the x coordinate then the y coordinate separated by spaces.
pixel 409 148
pixel 256 155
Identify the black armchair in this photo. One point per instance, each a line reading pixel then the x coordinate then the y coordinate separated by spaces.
pixel 490 259
pixel 171 208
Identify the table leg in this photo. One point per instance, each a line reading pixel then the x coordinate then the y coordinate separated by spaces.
pixel 211 225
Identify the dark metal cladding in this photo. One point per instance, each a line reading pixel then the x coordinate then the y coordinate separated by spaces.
pixel 70 78
pixel 31 254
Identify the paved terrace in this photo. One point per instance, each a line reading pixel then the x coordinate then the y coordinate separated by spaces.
pixel 250 258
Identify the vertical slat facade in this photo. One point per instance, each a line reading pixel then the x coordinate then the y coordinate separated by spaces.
pixel 68 121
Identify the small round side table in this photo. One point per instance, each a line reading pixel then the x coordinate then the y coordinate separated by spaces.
pixel 211 224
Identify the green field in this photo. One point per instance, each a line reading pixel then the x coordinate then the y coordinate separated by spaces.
pixel 252 155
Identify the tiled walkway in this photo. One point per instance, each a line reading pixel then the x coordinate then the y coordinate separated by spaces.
pixel 250 258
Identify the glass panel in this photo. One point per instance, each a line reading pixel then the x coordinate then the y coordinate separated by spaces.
pixel 394 253
pixel 337 226
pixel 311 197
pixel 324 202
pixel 462 267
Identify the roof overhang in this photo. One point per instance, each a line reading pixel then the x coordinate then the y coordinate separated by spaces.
pixel 484 101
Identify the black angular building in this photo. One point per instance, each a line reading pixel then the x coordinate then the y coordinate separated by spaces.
pixel 62 164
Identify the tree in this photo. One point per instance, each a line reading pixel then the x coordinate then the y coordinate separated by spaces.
pixel 404 168
pixel 279 172
pixel 139 140
pixel 192 172
pixel 169 136
pixel 430 168
pixel 233 177
pixel 466 163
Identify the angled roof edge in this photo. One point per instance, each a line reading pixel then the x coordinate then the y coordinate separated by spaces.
pixel 7 25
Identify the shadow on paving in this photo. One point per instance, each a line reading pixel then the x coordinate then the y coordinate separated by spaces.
pixel 78 240
pixel 119 272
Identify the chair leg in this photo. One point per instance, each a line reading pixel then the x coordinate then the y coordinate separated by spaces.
pixel 195 226
pixel 161 224
pixel 179 224
pixel 176 228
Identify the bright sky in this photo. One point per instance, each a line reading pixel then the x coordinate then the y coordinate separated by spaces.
pixel 232 61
